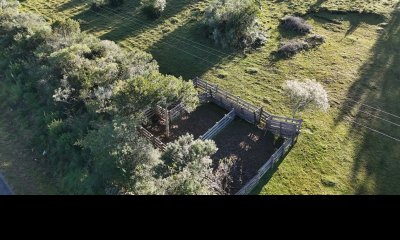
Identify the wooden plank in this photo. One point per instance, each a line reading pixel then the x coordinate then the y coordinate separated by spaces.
pixel 219 126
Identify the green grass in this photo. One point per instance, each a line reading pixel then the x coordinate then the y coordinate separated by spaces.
pixel 332 156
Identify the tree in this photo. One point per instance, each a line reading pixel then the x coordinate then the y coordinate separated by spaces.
pixel 189 167
pixel 140 92
pixel 117 153
pixel 303 95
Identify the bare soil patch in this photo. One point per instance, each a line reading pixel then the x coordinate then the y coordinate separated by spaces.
pixel 248 147
pixel 195 123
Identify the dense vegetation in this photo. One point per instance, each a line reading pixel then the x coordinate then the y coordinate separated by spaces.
pixel 84 99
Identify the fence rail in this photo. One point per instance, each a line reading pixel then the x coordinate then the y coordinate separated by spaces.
pixel 149 113
pixel 250 185
pixel 177 112
pixel 219 126
pixel 153 139
pixel 228 101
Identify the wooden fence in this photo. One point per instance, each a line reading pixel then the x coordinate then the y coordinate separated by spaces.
pixel 219 126
pixel 250 185
pixel 149 113
pixel 173 114
pixel 286 127
pixel 282 126
pixel 177 112
pixel 153 139
pixel 226 100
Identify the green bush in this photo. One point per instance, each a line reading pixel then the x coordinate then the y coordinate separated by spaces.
pixel 154 8
pixel 232 23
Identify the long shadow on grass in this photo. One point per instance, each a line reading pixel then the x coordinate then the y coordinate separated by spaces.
pixel 71 4
pixel 376 167
pixel 187 52
pixel 265 179
pixel 355 19
pixel 132 20
pixel 110 19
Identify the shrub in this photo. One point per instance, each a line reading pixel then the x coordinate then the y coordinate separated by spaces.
pixel 232 23
pixel 190 166
pixel 154 8
pixel 97 4
pixel 302 95
pixel 296 24
pixel 290 48
pixel 66 27
pixel 315 41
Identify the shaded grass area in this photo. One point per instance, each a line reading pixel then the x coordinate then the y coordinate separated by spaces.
pixel 23 174
pixel 376 165
pixel 358 61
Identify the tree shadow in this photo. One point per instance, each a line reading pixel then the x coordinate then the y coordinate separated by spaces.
pixel 184 51
pixel 107 19
pixel 355 19
pixel 317 4
pixel 187 52
pixel 71 4
pixel 377 161
pixel 135 21
pixel 267 177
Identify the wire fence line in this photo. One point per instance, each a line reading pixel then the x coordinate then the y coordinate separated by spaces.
pixel 372 129
pixel 377 109
pixel 367 112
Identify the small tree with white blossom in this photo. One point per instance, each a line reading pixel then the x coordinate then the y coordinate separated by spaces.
pixel 307 94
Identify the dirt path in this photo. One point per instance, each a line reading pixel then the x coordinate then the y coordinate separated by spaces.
pixel 24 176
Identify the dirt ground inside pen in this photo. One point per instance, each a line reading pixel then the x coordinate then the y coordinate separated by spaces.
pixel 248 147
pixel 195 123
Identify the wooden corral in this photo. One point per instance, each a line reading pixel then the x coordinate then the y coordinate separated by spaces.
pixel 288 128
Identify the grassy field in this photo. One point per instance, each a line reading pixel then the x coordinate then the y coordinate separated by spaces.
pixel 358 65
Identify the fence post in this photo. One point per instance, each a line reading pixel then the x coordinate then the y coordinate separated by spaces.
pixel 167 133
pixel 261 112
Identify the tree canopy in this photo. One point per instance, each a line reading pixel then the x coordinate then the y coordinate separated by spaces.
pixel 85 99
